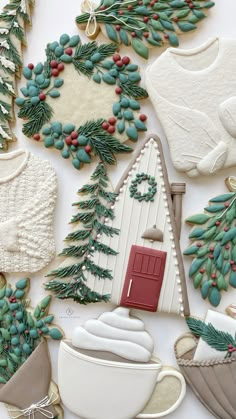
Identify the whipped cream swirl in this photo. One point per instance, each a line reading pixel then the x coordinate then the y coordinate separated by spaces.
pixel 116 332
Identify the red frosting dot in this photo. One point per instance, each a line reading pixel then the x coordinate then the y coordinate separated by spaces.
pixel 68 51
pixel 226 205
pixel 118 90
pixel 155 16
pixel 111 129
pixel 146 34
pixel 227 247
pixel 212 249
pixel 6 347
pixel 103 8
pixel 75 142
pixel 125 60
pixel 143 117
pixel 116 57
pixel 176 19
pixel 112 121
pixel 211 256
pixel 121 12
pixel 152 3
pixel 42 96
pixel 105 125
pixel 232 262
pixel 119 63
pixel 74 135
pixel 31 66
pixel 68 140
pixel 140 3
pixel 199 245
pixel 130 7
pixel 213 276
pixel 202 271
pixel 230 346
pixel 191 5
pixel 60 67
pixel 133 34
pixel 88 148
pixel 36 137
pixel 234 268
pixel 226 228
pixel 40 332
pixel 55 72
pixel 118 27
pixel 217 223
pixel 166 36
pixel 53 64
pixel 214 284
pixel 146 19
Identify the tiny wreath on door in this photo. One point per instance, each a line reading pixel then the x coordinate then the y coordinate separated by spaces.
pixel 83 100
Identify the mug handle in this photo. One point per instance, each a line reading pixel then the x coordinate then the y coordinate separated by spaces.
pixel 161 375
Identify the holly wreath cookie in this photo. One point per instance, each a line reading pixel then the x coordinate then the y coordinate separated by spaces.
pixel 83 101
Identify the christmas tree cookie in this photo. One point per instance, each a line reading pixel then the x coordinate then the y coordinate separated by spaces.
pixel 214 245
pixel 95 208
pixel 23 351
pixel 13 20
pixel 83 101
pixel 142 24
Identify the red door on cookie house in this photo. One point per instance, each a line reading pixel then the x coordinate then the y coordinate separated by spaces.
pixel 144 277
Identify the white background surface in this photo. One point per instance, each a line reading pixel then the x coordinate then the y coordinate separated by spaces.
pixel 51 18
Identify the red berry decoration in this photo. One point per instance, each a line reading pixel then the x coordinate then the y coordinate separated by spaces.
pixel 214 284
pixel 202 271
pixel 234 268
pixel 6 347
pixel 105 125
pixel 60 67
pixel 75 142
pixel 226 205
pixel 116 57
pixel 217 223
pixel 176 19
pixel 119 63
pixel 166 36
pixel 152 3
pixel 53 64
pixel 211 256
pixel 212 249
pixel 226 228
pixel 112 121
pixel 118 28
pixel 133 34
pixel 103 8
pixel 146 34
pixel 31 66
pixel 40 332
pixel 140 3
pixel 191 6
pixel 55 72
pixel 68 140
pixel 27 331
pixel 88 148
pixel 68 51
pixel 155 16
pixel 199 245
pixel 125 60
pixel 118 90
pixel 232 262
pixel 213 276
pixel 42 96
pixel 74 135
pixel 146 19
pixel 36 137
pixel 130 7
pixel 143 117
pixel 227 247
pixel 121 12
pixel 111 129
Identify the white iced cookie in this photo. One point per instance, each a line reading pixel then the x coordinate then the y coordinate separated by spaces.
pixel 116 332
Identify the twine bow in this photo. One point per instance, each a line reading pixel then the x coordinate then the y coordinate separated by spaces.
pixel 40 407
pixel 87 7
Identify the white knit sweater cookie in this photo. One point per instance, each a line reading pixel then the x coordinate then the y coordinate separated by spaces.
pixel 194 94
pixel 28 189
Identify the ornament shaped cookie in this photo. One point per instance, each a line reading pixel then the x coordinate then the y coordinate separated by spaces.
pixel 145 271
pixel 199 127
pixel 213 246
pixel 28 191
pixel 14 18
pixel 95 209
pixel 24 354
pixel 115 352
pixel 142 24
pixel 84 101
pixel 206 358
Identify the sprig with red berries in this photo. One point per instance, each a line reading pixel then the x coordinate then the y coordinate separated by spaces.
pixel 143 23
pixel 214 247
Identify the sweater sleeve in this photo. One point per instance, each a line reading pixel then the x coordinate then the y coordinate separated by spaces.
pixel 31 232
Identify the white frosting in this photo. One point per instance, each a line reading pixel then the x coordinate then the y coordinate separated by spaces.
pixel 116 332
